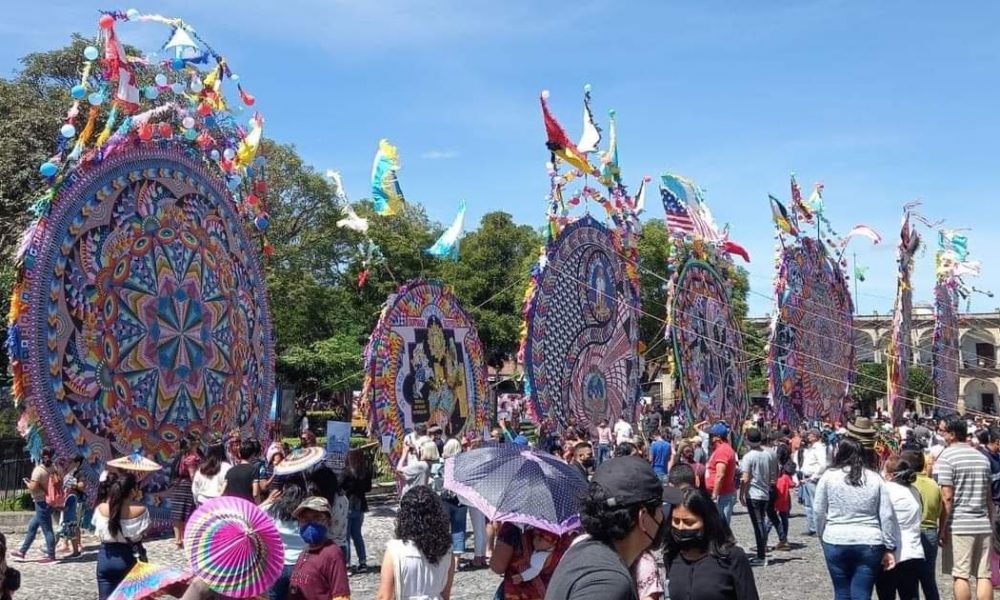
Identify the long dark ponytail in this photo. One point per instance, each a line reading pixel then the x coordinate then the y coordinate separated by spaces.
pixel 853 457
pixel 120 490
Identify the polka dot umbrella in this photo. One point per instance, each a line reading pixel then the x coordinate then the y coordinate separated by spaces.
pixel 509 483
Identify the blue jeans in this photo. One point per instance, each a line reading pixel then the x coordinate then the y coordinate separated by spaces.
pixel 928 578
pixel 43 519
pixel 603 452
pixel 853 569
pixel 457 513
pixel 113 562
pixel 725 505
pixel 279 591
pixel 807 491
pixel 355 519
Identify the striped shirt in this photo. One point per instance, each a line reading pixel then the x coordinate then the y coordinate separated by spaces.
pixel 967 471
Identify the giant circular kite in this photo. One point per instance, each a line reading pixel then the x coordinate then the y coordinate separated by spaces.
pixel 582 329
pixel 708 346
pixel 425 364
pixel 811 353
pixel 140 314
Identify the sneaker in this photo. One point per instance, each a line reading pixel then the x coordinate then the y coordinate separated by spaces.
pixel 48 560
pixel 758 562
pixel 783 546
pixel 17 554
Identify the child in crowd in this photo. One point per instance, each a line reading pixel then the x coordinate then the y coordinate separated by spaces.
pixel 543 543
pixel 69 529
pixel 10 578
pixel 783 502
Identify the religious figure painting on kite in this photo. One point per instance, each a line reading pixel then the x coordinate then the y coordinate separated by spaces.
pixel 435 387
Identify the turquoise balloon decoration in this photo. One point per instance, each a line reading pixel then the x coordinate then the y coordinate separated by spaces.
pixel 177 64
pixel 90 53
pixel 96 99
pixel 160 79
pixel 190 133
pixel 176 87
pixel 131 13
pixel 151 92
pixel 67 130
pixel 48 169
pixel 78 91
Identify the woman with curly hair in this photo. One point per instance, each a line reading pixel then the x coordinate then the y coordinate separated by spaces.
pixel 417 563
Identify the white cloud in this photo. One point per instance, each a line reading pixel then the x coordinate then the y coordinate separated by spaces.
pixel 439 155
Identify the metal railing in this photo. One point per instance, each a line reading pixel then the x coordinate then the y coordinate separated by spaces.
pixel 12 472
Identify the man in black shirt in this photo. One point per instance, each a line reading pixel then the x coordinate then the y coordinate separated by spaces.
pixel 623 516
pixel 240 478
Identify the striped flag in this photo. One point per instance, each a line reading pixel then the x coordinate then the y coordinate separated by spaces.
pixel 680 219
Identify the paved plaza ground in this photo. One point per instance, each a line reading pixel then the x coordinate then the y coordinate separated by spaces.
pixel 800 573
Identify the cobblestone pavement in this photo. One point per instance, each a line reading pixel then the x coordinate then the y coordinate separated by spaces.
pixel 800 573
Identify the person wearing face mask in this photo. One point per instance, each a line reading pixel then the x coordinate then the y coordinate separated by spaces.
pixel 702 559
pixel 622 515
pixel 320 573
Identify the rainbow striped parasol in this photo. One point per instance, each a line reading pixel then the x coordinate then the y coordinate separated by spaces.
pixel 147 581
pixel 234 547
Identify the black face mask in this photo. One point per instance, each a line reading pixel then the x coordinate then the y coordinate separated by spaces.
pixel 588 463
pixel 656 540
pixel 688 539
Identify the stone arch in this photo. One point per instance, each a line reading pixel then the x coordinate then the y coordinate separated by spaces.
pixel 923 349
pixel 864 345
pixel 981 395
pixel 978 349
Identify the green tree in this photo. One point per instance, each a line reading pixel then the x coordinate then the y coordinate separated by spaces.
pixel 654 251
pixel 869 384
pixel 490 277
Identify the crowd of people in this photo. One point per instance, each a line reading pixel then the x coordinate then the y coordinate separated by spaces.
pixel 882 501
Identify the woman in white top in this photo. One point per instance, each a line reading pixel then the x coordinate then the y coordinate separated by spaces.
pixel 210 479
pixel 417 563
pixel 904 579
pixel 119 523
pixel 280 507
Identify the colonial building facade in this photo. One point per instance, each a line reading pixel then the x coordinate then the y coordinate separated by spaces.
pixel 979 334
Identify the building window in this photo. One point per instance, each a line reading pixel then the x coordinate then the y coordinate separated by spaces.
pixel 985 356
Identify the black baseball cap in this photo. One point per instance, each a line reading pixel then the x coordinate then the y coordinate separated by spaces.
pixel 629 480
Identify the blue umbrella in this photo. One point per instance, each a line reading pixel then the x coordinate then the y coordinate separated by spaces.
pixel 509 483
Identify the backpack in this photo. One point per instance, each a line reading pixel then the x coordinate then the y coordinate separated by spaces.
pixel 437 483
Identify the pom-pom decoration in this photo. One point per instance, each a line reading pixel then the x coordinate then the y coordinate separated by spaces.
pixel 141 143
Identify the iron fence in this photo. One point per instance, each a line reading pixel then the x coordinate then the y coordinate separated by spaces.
pixel 12 472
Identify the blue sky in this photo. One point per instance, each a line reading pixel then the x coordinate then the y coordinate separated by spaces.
pixel 885 102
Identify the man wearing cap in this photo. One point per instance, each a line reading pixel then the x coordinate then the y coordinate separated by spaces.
pixel 320 572
pixel 720 473
pixel 812 463
pixel 622 514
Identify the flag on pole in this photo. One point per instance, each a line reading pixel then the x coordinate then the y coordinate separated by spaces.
pixel 782 218
pixel 859 272
pixel 447 245
pixel 797 203
pixel 387 196
pixel 591 137
pixel 558 141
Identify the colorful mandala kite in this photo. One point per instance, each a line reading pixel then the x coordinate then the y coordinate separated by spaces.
pixel 140 314
pixel 707 342
pixel 425 364
pixel 581 331
pixel 811 350
pixel 899 353
pixel 811 346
